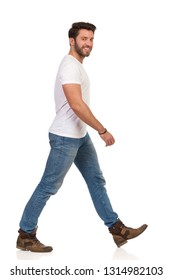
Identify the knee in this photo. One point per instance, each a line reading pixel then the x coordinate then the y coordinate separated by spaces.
pixel 49 188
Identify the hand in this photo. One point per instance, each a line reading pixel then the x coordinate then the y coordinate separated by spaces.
pixel 108 138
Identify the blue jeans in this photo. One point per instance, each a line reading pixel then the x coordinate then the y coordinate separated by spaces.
pixel 64 152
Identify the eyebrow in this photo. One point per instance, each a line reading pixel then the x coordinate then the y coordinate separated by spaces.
pixel 85 37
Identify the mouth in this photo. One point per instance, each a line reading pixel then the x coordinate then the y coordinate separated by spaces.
pixel 87 49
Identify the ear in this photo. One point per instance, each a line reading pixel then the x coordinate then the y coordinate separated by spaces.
pixel 71 41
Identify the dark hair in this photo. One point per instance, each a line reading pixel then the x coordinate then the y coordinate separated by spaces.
pixel 76 26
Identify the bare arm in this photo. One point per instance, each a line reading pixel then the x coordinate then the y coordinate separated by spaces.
pixel 74 98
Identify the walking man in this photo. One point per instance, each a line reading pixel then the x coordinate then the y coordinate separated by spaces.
pixel 70 143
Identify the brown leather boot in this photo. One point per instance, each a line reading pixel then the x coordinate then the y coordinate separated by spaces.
pixel 121 233
pixel 29 242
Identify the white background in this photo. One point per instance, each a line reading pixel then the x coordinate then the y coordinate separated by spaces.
pixel 131 70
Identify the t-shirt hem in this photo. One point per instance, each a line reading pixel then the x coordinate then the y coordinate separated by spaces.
pixel 70 135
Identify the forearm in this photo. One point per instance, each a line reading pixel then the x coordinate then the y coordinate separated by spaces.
pixel 86 115
pixel 81 109
pixel 74 97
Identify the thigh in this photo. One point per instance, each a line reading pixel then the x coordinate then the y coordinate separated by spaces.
pixel 87 160
pixel 62 154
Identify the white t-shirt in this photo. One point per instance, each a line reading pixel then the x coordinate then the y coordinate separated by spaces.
pixel 66 122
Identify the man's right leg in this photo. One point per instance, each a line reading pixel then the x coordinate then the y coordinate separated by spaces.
pixel 87 162
pixel 60 159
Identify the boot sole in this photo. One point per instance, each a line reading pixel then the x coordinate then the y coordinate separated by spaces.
pixel 21 248
pixel 34 251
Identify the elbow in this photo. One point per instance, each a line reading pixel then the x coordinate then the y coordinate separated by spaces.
pixel 75 107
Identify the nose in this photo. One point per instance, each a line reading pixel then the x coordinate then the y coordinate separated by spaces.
pixel 89 43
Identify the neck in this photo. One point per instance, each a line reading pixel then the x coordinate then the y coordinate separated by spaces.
pixel 76 55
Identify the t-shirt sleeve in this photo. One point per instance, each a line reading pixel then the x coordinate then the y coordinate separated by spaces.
pixel 70 74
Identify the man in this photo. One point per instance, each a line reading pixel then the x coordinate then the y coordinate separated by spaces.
pixel 70 143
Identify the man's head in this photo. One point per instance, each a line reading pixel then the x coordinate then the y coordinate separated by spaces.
pixel 77 26
pixel 81 36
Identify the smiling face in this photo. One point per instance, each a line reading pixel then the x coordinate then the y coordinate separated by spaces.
pixel 82 45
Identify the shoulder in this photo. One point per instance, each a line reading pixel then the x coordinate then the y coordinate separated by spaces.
pixel 69 70
pixel 69 64
pixel 70 60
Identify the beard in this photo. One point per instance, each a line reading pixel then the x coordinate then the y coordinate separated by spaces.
pixel 83 52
